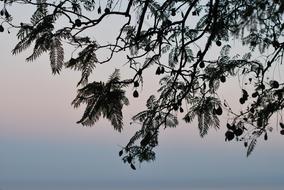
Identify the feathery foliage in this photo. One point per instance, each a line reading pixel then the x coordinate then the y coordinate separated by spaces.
pixel 105 100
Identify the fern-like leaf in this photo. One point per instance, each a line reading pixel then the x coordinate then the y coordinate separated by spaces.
pixel 251 146
pixel 40 13
pixel 202 107
pixel 102 99
pixel 56 55
pixel 116 120
pixel 85 63
pixel 42 44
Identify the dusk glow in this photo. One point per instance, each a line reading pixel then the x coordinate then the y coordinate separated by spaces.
pixel 42 147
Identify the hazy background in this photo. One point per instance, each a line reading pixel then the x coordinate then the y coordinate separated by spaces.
pixel 42 147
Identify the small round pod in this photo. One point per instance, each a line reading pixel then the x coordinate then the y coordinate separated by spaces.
pixel 78 22
pixel 219 110
pixel 135 94
pixel 229 135
pixel 218 43
pixel 223 79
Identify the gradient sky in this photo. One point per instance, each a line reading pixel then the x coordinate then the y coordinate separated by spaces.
pixel 40 142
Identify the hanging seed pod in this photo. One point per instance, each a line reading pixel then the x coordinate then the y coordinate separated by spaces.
pixel 99 10
pixel 1 28
pixel 262 86
pixel 129 159
pixel 158 71
pixel 274 84
pixel 175 107
pixel 250 79
pixel 120 153
pixel 245 144
pixel 162 70
pixel 254 95
pixel 78 22
pixel 7 15
pixel 173 12
pixel 132 166
pixel 107 10
pixel 199 53
pixel 245 94
pixel 135 94
pixel 223 79
pixel 219 110
pixel 229 135
pixel 238 131
pixel 265 136
pixel 136 84
pixel 231 127
pixel 242 100
pixel 181 110
pixel 202 64
pixel 282 132
pixel 218 43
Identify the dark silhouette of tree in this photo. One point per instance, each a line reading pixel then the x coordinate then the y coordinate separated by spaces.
pixel 183 31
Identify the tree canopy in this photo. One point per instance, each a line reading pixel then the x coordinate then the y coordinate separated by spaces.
pixel 176 39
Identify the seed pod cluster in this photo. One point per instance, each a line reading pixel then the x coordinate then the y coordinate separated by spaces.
pixel 160 70
pixel 218 110
pixel 233 131
pixel 178 106
pixel 244 97
pixel 5 13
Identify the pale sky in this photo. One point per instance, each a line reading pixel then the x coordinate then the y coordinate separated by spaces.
pixel 40 142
